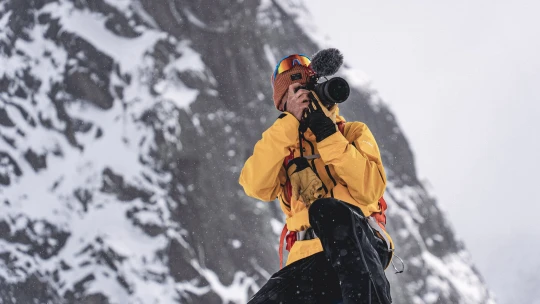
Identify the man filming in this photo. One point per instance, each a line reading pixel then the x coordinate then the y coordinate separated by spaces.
pixel 329 178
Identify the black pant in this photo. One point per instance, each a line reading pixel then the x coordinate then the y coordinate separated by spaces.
pixel 349 270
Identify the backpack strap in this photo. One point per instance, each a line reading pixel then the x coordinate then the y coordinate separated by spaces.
pixel 291 237
pixel 381 216
pixel 281 239
pixel 341 127
pixel 288 186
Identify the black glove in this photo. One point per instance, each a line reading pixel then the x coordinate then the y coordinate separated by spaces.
pixel 320 124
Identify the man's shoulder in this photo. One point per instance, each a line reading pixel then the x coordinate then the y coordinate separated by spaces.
pixel 355 123
pixel 355 126
pixel 356 129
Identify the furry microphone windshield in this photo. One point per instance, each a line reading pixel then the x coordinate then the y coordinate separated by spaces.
pixel 327 62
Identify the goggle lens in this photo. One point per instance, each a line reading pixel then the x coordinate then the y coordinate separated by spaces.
pixel 289 62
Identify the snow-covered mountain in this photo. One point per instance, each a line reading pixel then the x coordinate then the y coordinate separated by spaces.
pixel 124 125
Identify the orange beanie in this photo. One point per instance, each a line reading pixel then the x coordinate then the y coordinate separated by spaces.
pixel 282 82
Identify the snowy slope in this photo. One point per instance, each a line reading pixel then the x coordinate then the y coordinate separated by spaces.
pixel 124 125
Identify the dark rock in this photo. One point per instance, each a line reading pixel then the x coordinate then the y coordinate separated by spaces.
pixel 10 168
pixel 4 230
pixel 38 162
pixel 84 196
pixel 77 293
pixel 84 86
pixel 99 132
pixel 95 298
pixel 35 289
pixel 114 184
pixel 4 119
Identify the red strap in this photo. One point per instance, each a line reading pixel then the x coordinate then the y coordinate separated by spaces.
pixel 383 204
pixel 288 192
pixel 381 216
pixel 288 186
pixel 281 238
pixel 291 238
pixel 341 126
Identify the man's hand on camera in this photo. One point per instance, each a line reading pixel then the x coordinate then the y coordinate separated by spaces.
pixel 297 102
pixel 320 124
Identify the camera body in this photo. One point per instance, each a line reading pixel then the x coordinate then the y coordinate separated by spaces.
pixel 332 91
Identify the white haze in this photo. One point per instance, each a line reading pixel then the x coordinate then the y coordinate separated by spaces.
pixel 463 79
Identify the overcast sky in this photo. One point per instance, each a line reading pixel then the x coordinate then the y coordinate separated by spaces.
pixel 463 78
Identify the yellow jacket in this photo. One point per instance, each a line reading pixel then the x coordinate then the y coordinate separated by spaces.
pixel 349 165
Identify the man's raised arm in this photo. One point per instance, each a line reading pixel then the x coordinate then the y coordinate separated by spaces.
pixel 259 177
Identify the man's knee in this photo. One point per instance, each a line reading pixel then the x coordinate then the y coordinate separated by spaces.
pixel 325 209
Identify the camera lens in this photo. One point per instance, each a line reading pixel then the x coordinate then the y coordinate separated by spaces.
pixel 337 89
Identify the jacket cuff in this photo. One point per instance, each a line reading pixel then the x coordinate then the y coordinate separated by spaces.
pixel 325 133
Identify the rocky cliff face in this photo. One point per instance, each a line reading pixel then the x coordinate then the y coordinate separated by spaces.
pixel 124 125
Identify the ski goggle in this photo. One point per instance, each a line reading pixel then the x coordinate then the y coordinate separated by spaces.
pixel 289 62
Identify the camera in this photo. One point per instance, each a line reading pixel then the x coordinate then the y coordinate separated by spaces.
pixel 332 91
